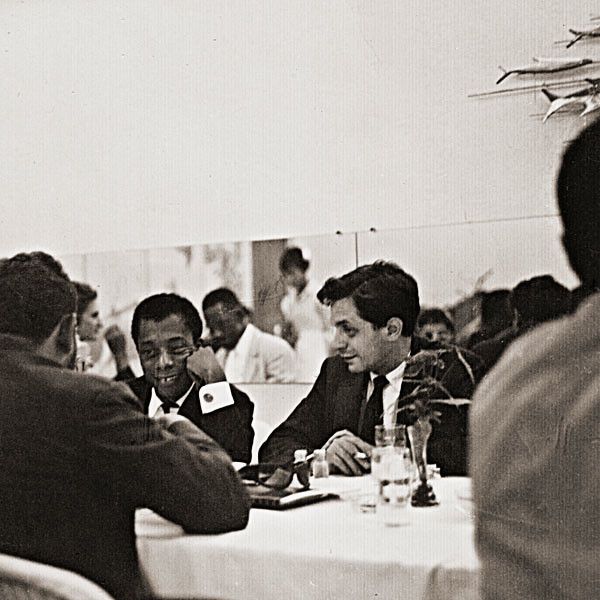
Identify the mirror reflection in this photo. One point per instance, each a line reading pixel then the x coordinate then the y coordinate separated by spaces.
pixel 266 306
pixel 261 295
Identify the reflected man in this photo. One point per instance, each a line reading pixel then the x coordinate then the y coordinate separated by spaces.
pixel 181 376
pixel 246 353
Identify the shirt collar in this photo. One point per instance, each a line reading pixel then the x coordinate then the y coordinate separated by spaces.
pixel 394 377
pixel 245 341
pixel 156 402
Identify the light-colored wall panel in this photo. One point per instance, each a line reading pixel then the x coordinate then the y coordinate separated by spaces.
pixel 451 262
pixel 153 124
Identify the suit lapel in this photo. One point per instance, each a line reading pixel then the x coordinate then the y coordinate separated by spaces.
pixel 349 402
pixel 190 407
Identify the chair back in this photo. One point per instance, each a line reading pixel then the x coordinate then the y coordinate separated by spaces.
pixel 22 579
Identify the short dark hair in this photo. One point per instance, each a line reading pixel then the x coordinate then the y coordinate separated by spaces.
pixel 540 299
pixel 380 291
pixel 42 257
pixel 221 296
pixel 159 306
pixel 435 315
pixel 496 308
pixel 85 295
pixel 35 294
pixel 292 258
pixel 578 192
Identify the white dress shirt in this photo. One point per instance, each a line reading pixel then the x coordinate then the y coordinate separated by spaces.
pixel 212 396
pixel 391 392
pixel 258 357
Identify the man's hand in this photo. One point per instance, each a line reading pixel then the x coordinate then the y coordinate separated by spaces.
pixel 203 367
pixel 117 342
pixel 342 453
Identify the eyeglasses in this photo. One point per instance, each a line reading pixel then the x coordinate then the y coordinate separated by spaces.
pixel 154 353
pixel 277 477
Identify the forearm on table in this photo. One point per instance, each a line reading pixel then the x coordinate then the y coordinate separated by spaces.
pixel 208 494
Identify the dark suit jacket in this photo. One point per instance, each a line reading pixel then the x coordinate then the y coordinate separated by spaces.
pixel 231 426
pixel 335 402
pixel 77 457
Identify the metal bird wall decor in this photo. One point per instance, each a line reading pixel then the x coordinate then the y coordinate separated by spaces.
pixel 579 34
pixel 589 97
pixel 546 65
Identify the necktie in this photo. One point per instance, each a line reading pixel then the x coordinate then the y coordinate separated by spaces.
pixel 373 410
pixel 167 405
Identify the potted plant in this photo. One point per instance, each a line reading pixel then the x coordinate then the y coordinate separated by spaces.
pixel 430 374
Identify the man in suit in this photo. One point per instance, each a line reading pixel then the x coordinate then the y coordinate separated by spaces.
pixel 77 456
pixel 535 426
pixel 246 353
pixel 183 377
pixel 373 309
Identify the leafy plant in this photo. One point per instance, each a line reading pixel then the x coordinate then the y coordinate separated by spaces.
pixel 435 373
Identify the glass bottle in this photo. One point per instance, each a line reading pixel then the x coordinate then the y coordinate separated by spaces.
pixel 320 466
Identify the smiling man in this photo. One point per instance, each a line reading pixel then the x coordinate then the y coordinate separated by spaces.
pixel 181 376
pixel 78 457
pixel 373 309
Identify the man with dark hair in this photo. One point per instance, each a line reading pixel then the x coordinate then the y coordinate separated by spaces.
pixel 374 310
pixel 77 456
pixel 181 376
pixel 434 328
pixel 535 301
pixel 535 424
pixel 246 353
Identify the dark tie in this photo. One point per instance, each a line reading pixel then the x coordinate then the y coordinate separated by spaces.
pixel 373 410
pixel 167 405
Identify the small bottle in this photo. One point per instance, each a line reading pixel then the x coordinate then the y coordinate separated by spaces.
pixel 300 455
pixel 320 466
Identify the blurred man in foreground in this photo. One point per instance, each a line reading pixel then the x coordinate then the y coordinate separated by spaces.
pixel 374 310
pixel 77 456
pixel 183 377
pixel 535 425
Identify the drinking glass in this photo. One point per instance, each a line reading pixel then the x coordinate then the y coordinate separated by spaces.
pixel 392 467
pixel 394 435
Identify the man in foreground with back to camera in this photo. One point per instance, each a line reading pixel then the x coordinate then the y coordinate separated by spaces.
pixel 535 423
pixel 183 377
pixel 77 456
pixel 374 310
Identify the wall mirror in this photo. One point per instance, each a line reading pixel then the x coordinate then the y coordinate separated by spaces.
pixel 450 262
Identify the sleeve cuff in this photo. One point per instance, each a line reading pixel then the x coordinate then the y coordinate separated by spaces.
pixel 214 396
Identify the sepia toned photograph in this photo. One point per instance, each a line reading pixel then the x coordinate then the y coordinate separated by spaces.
pixel 300 300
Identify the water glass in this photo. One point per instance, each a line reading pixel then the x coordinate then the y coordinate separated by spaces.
pixel 394 435
pixel 394 471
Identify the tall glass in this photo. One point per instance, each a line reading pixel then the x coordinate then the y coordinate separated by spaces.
pixel 394 435
pixel 392 467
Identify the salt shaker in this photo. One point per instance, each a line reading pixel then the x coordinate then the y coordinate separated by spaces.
pixel 320 466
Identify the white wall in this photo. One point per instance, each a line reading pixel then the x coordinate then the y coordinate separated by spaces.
pixel 155 123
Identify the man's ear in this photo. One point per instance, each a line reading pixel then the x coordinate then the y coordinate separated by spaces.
pixel 65 334
pixel 394 328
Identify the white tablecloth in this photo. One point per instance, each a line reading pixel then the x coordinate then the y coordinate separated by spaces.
pixel 323 551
